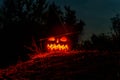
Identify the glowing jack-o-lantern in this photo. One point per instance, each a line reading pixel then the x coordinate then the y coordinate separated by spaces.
pixel 58 44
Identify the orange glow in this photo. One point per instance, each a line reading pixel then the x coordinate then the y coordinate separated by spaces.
pixel 57 41
pixel 51 39
pixel 58 44
pixel 59 47
pixel 63 39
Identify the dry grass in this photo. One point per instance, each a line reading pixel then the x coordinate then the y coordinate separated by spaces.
pixel 61 66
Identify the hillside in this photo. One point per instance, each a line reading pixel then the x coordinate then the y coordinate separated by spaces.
pixel 65 66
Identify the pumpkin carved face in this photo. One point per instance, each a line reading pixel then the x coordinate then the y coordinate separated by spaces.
pixel 58 44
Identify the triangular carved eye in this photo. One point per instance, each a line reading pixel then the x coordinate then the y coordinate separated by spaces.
pixel 63 39
pixel 51 39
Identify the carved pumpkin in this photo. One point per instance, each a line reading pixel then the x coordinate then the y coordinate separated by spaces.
pixel 58 44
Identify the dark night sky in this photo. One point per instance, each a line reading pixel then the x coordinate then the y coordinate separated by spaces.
pixel 95 13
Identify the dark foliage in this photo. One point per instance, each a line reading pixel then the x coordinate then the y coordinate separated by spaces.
pixel 21 20
pixel 116 24
pixel 76 26
pixel 104 42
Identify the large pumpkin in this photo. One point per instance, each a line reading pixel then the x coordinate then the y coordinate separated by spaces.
pixel 58 44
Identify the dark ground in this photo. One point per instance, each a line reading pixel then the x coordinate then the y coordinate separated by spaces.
pixel 80 66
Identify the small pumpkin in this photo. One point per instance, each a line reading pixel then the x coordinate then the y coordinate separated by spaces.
pixel 58 44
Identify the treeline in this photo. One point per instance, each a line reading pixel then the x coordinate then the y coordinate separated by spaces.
pixel 105 42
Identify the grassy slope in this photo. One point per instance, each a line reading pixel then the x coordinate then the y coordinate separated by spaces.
pixel 80 66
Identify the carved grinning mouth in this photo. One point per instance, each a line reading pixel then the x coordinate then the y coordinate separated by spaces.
pixel 59 47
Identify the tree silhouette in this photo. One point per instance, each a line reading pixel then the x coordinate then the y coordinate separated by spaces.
pixel 21 19
pixel 116 28
pixel 76 26
pixel 54 18
pixel 70 17
pixel 54 15
pixel 116 24
pixel 101 42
